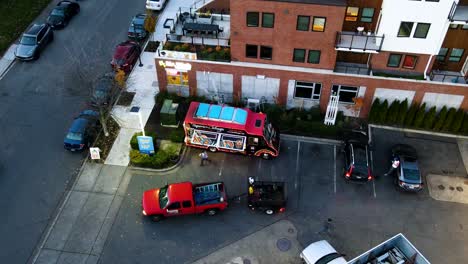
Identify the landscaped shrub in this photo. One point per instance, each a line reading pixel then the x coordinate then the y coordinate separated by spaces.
pixel 402 112
pixel 161 159
pixel 440 119
pixel 448 121
pixel 457 121
pixel 134 141
pixel 411 114
pixel 392 113
pixel 274 112
pixel 177 136
pixel 419 117
pixel 429 118
pixel 464 128
pixel 382 114
pixel 374 110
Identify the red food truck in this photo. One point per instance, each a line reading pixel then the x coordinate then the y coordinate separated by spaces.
pixel 230 129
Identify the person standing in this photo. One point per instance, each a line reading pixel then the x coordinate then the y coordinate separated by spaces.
pixel 395 165
pixel 203 157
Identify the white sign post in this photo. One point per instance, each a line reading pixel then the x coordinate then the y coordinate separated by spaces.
pixel 95 153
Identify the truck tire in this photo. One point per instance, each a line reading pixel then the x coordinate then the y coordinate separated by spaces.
pixel 269 211
pixel 157 218
pixel 211 212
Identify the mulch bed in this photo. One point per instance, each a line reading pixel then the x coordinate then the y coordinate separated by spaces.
pixel 154 124
pixel 152 46
pixel 105 143
pixel 126 98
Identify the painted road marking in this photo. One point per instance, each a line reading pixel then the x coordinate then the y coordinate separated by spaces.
pixel 222 166
pixel 334 167
pixel 297 164
pixel 372 168
pixel 7 69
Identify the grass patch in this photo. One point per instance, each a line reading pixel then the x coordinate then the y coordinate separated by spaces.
pixel 105 143
pixel 126 98
pixel 166 154
pixel 16 16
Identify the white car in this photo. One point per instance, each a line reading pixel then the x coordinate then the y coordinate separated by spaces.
pixel 321 252
pixel 155 4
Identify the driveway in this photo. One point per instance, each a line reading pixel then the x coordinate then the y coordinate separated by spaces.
pixel 38 101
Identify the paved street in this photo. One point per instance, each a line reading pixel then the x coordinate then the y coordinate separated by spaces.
pixel 38 101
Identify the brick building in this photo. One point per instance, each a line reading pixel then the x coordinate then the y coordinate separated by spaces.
pixel 299 52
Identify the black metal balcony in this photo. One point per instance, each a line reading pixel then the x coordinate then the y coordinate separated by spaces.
pixel 447 76
pixel 458 13
pixel 358 42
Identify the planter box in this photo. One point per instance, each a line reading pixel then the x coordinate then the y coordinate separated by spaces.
pixel 205 20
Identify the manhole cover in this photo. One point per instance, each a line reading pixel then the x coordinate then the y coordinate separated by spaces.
pixel 246 261
pixel 451 188
pixel 291 230
pixel 283 244
pixel 441 187
pixel 460 189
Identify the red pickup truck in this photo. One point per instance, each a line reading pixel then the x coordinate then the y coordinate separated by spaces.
pixel 184 198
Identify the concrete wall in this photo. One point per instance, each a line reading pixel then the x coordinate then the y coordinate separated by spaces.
pixel 440 100
pixel 394 94
pixel 258 88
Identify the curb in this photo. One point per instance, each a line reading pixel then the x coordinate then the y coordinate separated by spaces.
pixel 182 156
pixel 311 139
pixel 409 130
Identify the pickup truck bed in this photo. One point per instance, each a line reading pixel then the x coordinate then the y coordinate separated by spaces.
pixel 208 193
pixel 267 195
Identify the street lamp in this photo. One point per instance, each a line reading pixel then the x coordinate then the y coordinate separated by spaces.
pixel 136 110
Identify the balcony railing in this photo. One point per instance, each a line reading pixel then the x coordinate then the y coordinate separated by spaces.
pixel 447 76
pixel 358 42
pixel 352 68
pixel 458 13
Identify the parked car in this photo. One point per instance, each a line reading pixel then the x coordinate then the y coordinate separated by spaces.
pixel 321 252
pixel 137 27
pixel 155 4
pixel 408 174
pixel 82 131
pixel 183 199
pixel 104 91
pixel 357 161
pixel 62 14
pixel 33 42
pixel 125 56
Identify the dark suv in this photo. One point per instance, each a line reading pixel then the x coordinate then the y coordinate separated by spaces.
pixel 33 42
pixel 357 161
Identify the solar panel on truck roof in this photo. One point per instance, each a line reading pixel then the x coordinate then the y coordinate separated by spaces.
pixel 221 113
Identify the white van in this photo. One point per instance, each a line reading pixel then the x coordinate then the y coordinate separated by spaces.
pixel 155 4
pixel 321 252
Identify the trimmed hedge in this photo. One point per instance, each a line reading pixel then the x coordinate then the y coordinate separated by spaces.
pixel 448 121
pixel 419 117
pixel 464 128
pixel 457 121
pixel 440 119
pixel 429 118
pixel 375 108
pixel 411 114
pixel 382 114
pixel 392 113
pixel 403 111
pixel 134 141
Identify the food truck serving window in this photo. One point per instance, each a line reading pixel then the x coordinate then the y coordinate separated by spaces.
pixel 204 138
pixel 232 142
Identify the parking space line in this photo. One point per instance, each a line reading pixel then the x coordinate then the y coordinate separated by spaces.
pixel 372 168
pixel 297 164
pixel 334 167
pixel 222 166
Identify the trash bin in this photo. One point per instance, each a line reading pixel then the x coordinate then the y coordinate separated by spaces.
pixel 168 114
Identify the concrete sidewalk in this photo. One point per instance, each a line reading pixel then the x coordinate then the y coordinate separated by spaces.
pixel 6 62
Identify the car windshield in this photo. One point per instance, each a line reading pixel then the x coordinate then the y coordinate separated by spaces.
pixel 57 12
pixel 26 40
pixel 74 136
pixel 163 199
pixel 411 174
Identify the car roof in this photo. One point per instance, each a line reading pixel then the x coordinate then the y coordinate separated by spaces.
pixel 63 3
pixel 315 251
pixel 79 125
pixel 34 29
pixel 123 48
pixel 140 18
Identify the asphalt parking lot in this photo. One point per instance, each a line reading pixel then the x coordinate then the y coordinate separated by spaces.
pixel 363 214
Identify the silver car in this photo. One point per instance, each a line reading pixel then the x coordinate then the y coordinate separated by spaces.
pixel 33 42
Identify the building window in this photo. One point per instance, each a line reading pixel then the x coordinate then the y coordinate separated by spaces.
pixel 351 13
pixel 319 24
pixel 405 29
pixel 409 62
pixel 299 55
pixel 314 56
pixel 268 20
pixel 442 54
pixel 252 19
pixel 453 26
pixel 307 90
pixel 266 53
pixel 456 55
pixel 346 93
pixel 175 77
pixel 421 30
pixel 394 60
pixel 251 51
pixel 303 23
pixel 367 14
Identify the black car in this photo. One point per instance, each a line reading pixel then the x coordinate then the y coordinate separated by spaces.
pixel 408 174
pixel 33 42
pixel 105 91
pixel 357 161
pixel 137 27
pixel 83 131
pixel 62 13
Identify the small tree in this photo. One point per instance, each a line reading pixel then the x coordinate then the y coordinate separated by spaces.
pixel 464 128
pixel 393 111
pixel 402 112
pixel 411 114
pixel 150 22
pixel 440 119
pixel 418 119
pixel 457 121
pixel 382 114
pixel 358 103
pixel 428 122
pixel 448 121
pixel 374 110
pixel 120 78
